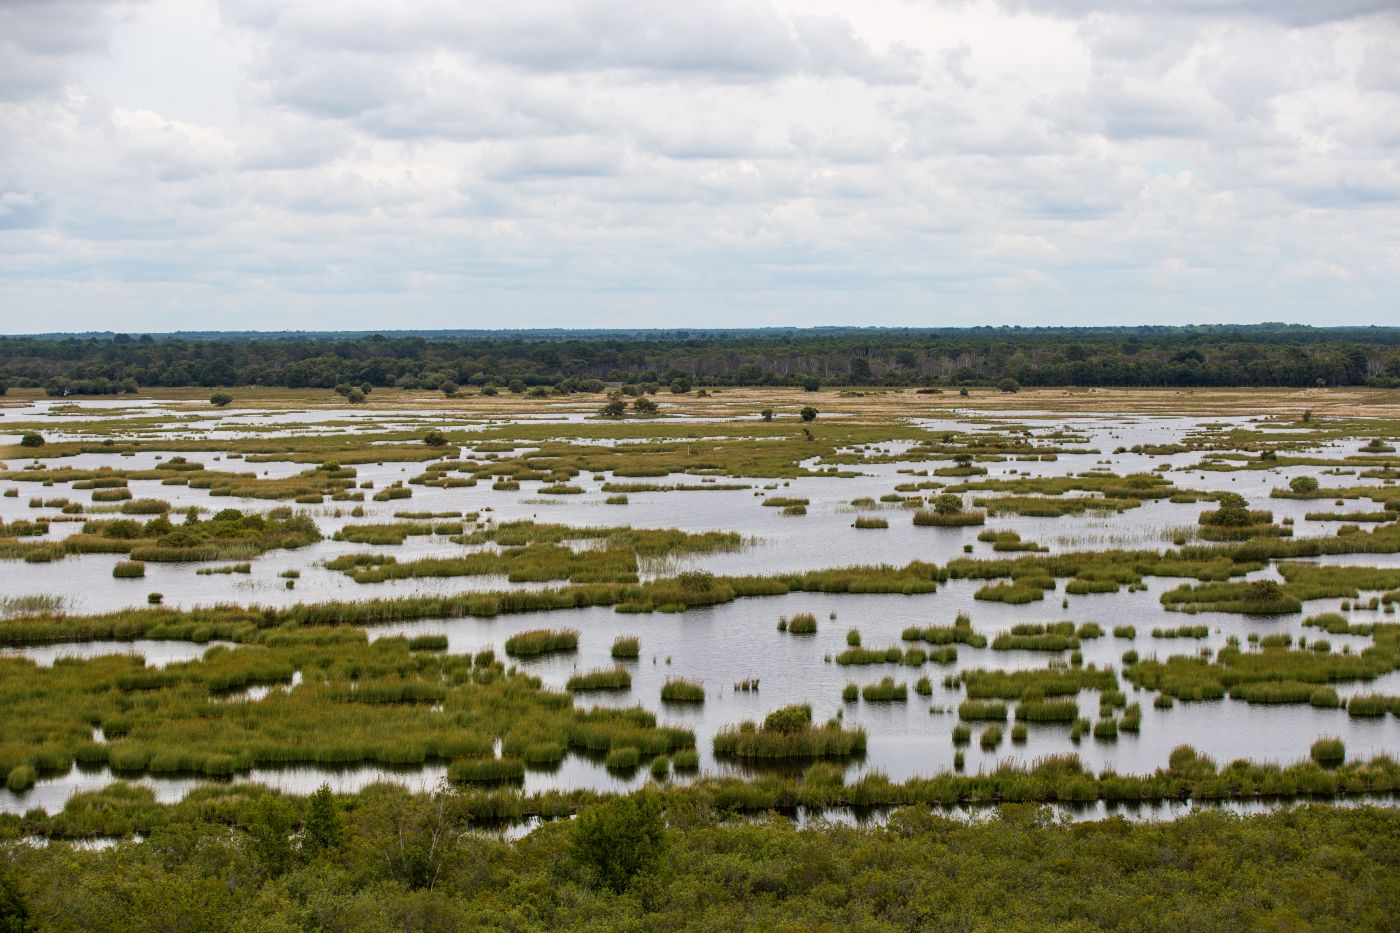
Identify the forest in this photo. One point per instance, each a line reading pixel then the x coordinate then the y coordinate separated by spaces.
pixel 387 859
pixel 1244 356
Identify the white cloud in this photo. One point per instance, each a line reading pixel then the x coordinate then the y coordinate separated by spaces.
pixel 434 163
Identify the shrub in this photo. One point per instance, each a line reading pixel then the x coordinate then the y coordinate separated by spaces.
pixel 808 413
pixel 789 720
pixel 435 439
pixel 31 439
pixel 1303 484
pixel 220 399
pixel 616 841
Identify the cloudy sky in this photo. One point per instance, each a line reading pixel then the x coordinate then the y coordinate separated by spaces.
pixel 203 164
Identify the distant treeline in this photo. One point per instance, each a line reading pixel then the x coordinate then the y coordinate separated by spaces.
pixel 1256 356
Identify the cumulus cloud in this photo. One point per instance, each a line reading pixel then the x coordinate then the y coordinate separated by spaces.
pixel 436 163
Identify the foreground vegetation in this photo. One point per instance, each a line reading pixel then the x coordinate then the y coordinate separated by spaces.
pixel 239 859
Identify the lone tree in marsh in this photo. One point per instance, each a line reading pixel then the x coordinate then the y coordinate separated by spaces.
pixel 680 386
pixel 615 408
pixel 808 413
pixel 1008 384
pixel 32 440
pixel 434 439
pixel 220 399
pixel 645 406
pixel 766 414
pixel 947 504
pixel 323 831
pixel 1303 484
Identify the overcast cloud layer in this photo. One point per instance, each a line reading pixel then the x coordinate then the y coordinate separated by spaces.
pixel 191 164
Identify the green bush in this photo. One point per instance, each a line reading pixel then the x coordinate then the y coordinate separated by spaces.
pixel 613 842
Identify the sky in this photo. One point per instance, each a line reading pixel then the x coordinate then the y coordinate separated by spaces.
pixel 356 164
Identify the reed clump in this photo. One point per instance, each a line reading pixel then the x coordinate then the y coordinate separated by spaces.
pixel 487 771
pixel 626 647
pixel 885 691
pixel 682 690
pixel 608 678
pixel 982 710
pixel 536 642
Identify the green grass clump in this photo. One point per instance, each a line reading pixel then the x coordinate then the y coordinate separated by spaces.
pixel 225 569
pixel 624 758
pixel 1047 711
pixel 1273 691
pixel 626 647
pixel 803 623
pixel 1373 704
pixel 982 710
pixel 784 502
pixel 608 678
pixel 1056 636
pixel 427 643
pixel 851 692
pixel 1020 733
pixel 536 642
pixel 486 771
pixel 21 778
pixel 789 736
pixel 960 632
pixel 1011 593
pixel 686 759
pixel 1182 631
pixel 923 687
pixel 660 767
pixel 891 655
pixel 870 521
pixel 990 738
pixel 885 691
pixel 1325 698
pixel 682 690
pixel 962 734
pixel 1046 682
pixel 928 518
pixel 1124 631
pixel 1328 752
pixel 1106 730
pixel 129 569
